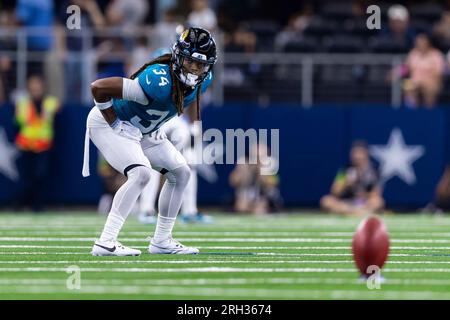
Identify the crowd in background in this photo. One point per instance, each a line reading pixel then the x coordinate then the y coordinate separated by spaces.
pixel 128 31
pixel 122 43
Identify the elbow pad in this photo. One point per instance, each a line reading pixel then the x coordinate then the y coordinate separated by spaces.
pixel 132 91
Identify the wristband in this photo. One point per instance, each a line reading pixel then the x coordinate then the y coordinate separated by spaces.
pixel 103 105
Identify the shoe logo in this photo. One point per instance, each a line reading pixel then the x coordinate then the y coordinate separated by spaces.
pixel 146 79
pixel 106 248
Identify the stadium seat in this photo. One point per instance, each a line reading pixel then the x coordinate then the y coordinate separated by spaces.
pixel 421 25
pixel 378 74
pixel 306 44
pixel 343 44
pixel 429 11
pixel 337 11
pixel 320 28
pixel 334 74
pixel 442 44
pixel 265 32
pixel 386 45
pixel 358 27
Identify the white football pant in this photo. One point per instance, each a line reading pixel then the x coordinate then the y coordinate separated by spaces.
pixel 136 160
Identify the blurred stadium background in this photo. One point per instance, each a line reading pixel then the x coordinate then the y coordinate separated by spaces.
pixel 313 70
pixel 310 68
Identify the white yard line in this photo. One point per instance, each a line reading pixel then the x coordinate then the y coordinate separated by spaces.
pixel 87 252
pixel 179 270
pixel 225 234
pixel 17 246
pixel 222 269
pixel 256 240
pixel 224 281
pixel 208 262
pixel 250 224
pixel 176 261
pixel 233 292
pixel 281 234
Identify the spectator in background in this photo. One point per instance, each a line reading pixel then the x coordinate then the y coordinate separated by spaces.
pixel 128 18
pixel 254 192
pixel 298 22
pixel 448 60
pixel 442 29
pixel 36 13
pixel 70 44
pixel 355 191
pixel 111 55
pixel 441 201
pixel 241 40
pixel 359 10
pixel 165 31
pixel 138 56
pixel 35 115
pixel 5 75
pixel 202 15
pixel 7 42
pixel 426 66
pixel 399 30
pixel 127 15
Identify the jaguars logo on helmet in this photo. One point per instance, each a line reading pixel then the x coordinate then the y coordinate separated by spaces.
pixel 196 44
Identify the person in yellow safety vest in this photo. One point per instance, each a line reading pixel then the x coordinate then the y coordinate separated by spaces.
pixel 34 117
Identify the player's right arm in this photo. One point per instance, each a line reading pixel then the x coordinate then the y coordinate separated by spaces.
pixel 104 90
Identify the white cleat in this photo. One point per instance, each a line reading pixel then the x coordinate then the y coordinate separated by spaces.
pixel 170 246
pixel 113 248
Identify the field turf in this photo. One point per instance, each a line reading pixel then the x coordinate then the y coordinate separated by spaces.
pixel 291 256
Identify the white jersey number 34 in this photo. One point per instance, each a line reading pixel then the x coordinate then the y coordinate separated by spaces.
pixel 164 80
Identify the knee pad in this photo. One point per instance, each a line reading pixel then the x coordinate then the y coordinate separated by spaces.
pixel 179 175
pixel 141 175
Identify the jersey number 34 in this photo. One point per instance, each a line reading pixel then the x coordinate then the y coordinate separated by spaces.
pixel 164 80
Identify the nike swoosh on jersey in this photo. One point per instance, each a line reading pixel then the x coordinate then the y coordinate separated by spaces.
pixel 106 248
pixel 146 80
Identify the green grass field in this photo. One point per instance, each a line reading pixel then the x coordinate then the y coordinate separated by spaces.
pixel 300 256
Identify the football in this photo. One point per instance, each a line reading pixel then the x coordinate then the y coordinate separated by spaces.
pixel 370 245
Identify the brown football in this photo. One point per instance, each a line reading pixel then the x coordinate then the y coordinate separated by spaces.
pixel 370 244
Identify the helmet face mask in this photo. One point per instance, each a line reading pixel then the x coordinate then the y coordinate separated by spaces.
pixel 185 73
pixel 194 55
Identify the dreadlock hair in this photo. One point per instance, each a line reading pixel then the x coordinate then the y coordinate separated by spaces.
pixel 177 87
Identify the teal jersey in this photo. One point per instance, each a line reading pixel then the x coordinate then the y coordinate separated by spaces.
pixel 156 83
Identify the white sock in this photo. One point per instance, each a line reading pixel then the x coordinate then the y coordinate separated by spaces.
pixel 113 225
pixel 164 228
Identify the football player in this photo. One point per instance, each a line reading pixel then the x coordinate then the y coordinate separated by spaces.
pixel 125 127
